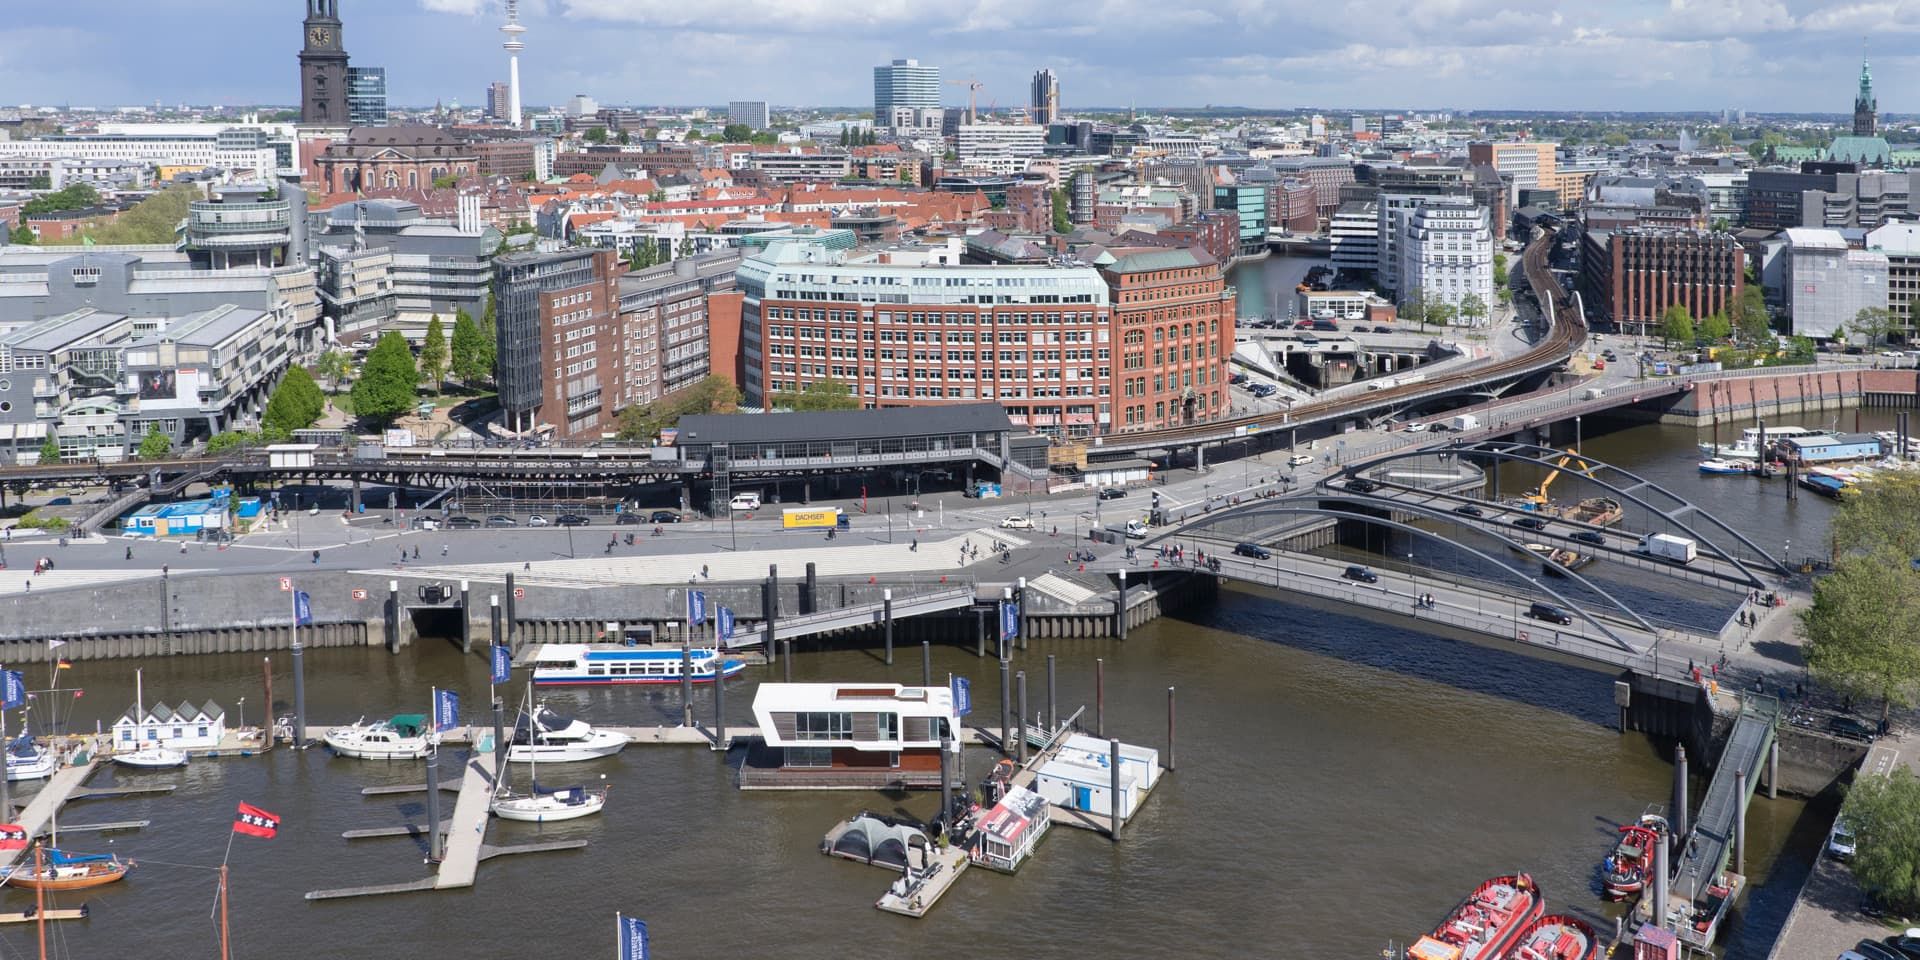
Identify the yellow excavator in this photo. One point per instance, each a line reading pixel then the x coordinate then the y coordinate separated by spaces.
pixel 1537 497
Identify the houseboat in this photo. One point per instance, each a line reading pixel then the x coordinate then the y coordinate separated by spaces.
pixel 848 736
pixel 1824 448
pixel 1748 446
pixel 1010 830
pixel 1486 924
pixel 558 664
pixel 1556 937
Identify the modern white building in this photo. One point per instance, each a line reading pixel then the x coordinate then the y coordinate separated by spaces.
pixel 904 83
pixel 988 140
pixel 581 105
pixel 1080 776
pixel 1447 253
pixel 185 727
pixel 853 735
pixel 238 149
pixel 753 113
pixel 1355 235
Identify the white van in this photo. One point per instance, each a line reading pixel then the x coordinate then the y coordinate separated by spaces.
pixel 744 501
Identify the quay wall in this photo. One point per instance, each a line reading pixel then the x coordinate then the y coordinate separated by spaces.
pixel 1796 393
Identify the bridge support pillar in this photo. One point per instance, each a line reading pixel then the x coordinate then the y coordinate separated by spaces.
pixel 1660 880
pixel 1740 822
pixel 786 659
pixel 353 506
pixel 809 598
pixel 1773 770
pixel 1679 818
pixel 886 621
pixel 979 632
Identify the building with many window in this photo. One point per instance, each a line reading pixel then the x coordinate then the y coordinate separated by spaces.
pixel 556 321
pixel 1633 275
pixel 1827 283
pixel 394 158
pixel 1446 254
pixel 753 113
pixel 904 83
pixel 1249 201
pixel 367 96
pixel 1899 243
pixel 663 345
pixel 974 142
pixel 431 267
pixel 1355 235
pixel 1046 97
pixel 1173 319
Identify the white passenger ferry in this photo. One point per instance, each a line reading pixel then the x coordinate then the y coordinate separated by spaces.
pixel 556 664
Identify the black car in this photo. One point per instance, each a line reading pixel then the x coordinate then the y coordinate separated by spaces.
pixel 1851 728
pixel 1361 574
pixel 1530 523
pixel 1907 946
pixel 502 521
pixel 1253 550
pixel 1111 493
pixel 1469 510
pixel 1237 379
pixel 1588 536
pixel 629 519
pixel 1875 950
pixel 462 523
pixel 1361 485
pixel 665 516
pixel 572 520
pixel 1550 613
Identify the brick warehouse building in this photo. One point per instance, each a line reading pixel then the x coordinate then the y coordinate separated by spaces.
pixel 557 341
pixel 1039 339
pixel 1635 274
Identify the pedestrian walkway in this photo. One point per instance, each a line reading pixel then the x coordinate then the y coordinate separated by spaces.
pixel 15 580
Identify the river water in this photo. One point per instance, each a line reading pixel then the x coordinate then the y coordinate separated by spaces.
pixel 1340 784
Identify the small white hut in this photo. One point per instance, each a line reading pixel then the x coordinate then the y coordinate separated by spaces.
pixel 184 727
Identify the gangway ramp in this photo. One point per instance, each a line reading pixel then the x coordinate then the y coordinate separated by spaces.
pixel 860 615
pixel 1705 856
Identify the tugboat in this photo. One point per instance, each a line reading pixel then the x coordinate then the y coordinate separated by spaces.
pixel 1556 937
pixel 1486 924
pixel 1625 870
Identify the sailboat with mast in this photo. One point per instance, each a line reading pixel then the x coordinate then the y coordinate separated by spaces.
pixel 55 870
pixel 152 755
pixel 28 759
pixel 544 804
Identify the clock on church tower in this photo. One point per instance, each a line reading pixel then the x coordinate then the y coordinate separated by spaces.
pixel 323 66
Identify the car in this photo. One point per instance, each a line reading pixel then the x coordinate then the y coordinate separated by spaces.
pixel 1599 364
pixel 1875 950
pixel 1530 523
pixel 502 521
pixel 1303 325
pixel 1253 550
pixel 1361 485
pixel 1588 536
pixel 1017 522
pixel 1299 459
pixel 536 521
pixel 424 523
pixel 1382 328
pixel 462 523
pixel 744 501
pixel 1550 613
pixel 1893 354
pixel 1360 574
pixel 1237 379
pixel 572 520
pixel 665 516
pixel 1438 428
pixel 628 519
pixel 1908 944
pixel 1263 390
pixel 1417 428
pixel 1111 493
pixel 1840 840
pixel 1469 510
pixel 1851 728
pixel 60 502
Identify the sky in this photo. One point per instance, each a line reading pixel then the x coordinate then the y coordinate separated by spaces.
pixel 1650 55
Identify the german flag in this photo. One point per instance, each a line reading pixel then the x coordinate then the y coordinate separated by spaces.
pixel 65 664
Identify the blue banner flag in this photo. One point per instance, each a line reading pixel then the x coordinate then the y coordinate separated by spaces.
pixel 15 692
pixel 446 710
pixel 696 607
pixel 724 617
pixel 302 609
pixel 632 934
pixel 502 663
pixel 1009 618
pixel 962 696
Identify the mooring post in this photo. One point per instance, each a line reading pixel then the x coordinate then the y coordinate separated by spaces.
pixel 1006 709
pixel 266 684
pixel 1740 822
pixel 686 682
pixel 1773 770
pixel 1679 818
pixel 434 851
pixel 1169 728
pixel 1113 797
pixel 466 618
pixel 1660 879
pixel 809 602
pixel 886 619
pixel 946 784
pixel 719 712
pixel 393 616
pixel 1020 717
pixel 1099 696
pixel 499 731
pixel 979 632
pixel 926 663
pixel 1120 613
pixel 1053 718
pixel 513 594
pixel 1020 622
pixel 299 695
pixel 786 660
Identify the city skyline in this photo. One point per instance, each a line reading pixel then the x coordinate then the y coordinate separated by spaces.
pixel 1683 55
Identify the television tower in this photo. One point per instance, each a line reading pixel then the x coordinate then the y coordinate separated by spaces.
pixel 513 30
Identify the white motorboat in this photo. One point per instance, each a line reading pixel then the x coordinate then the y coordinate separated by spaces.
pixel 27 760
pixel 154 755
pixel 549 737
pixel 403 737
pixel 543 805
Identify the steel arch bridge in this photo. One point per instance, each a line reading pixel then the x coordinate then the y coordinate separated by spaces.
pixel 1658 500
pixel 1312 504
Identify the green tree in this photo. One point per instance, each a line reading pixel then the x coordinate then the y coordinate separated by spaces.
pixel 1504 294
pixel 625 138
pixel 1717 138
pixel 1676 325
pixel 1863 630
pixel 489 344
pixel 596 135
pixel 904 173
pixel 155 445
pixel 50 448
pixel 1750 316
pixel 153 220
pixel 1500 275
pixel 1441 313
pixel 22 235
pixel 1473 309
pixel 295 404
pixel 78 196
pixel 826 394
pixel 844 137
pixel 1413 307
pixel 1883 515
pixel 1062 223
pixel 467 351
pixel 40 182
pixel 335 366
pixel 387 381
pixel 736 133
pixel 433 354
pixel 230 440
pixel 1716 328
pixel 713 394
pixel 1885 815
pixel 447 182
pixel 1873 323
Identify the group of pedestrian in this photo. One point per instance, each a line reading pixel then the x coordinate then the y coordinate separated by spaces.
pixel 1173 552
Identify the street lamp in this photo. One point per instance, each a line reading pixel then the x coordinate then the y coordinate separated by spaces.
pixel 1576 434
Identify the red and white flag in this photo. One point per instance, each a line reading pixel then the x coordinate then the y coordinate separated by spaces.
pixel 255 822
pixel 13 836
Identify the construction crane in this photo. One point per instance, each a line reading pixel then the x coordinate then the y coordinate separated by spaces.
pixel 1538 496
pixel 973 88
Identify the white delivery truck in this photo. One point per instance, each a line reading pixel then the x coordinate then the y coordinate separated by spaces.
pixel 745 501
pixel 1463 422
pixel 1665 546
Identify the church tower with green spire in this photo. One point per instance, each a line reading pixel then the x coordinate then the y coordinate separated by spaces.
pixel 1865 109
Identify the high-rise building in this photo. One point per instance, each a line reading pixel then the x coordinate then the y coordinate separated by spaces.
pixel 1866 109
pixel 904 83
pixel 323 67
pixel 581 105
pixel 1046 97
pixel 1633 275
pixel 753 113
pixel 367 96
pixel 1446 253
pixel 557 323
pixel 513 45
pixel 499 105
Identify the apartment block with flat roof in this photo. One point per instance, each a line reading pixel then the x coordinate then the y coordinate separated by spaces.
pixel 904 83
pixel 556 318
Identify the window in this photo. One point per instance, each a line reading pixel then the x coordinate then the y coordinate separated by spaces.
pixel 817 757
pixel 823 726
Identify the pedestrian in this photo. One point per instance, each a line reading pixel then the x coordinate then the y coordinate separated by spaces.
pixel 416 551
pixel 129 553
pixel 1690 667
pixel 443 549
pixel 403 554
pixel 704 575
pixel 183 546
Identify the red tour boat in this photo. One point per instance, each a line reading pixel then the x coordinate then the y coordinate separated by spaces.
pixel 1625 871
pixel 1486 924
pixel 1556 937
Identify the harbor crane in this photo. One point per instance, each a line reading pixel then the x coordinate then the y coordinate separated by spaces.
pixel 973 89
